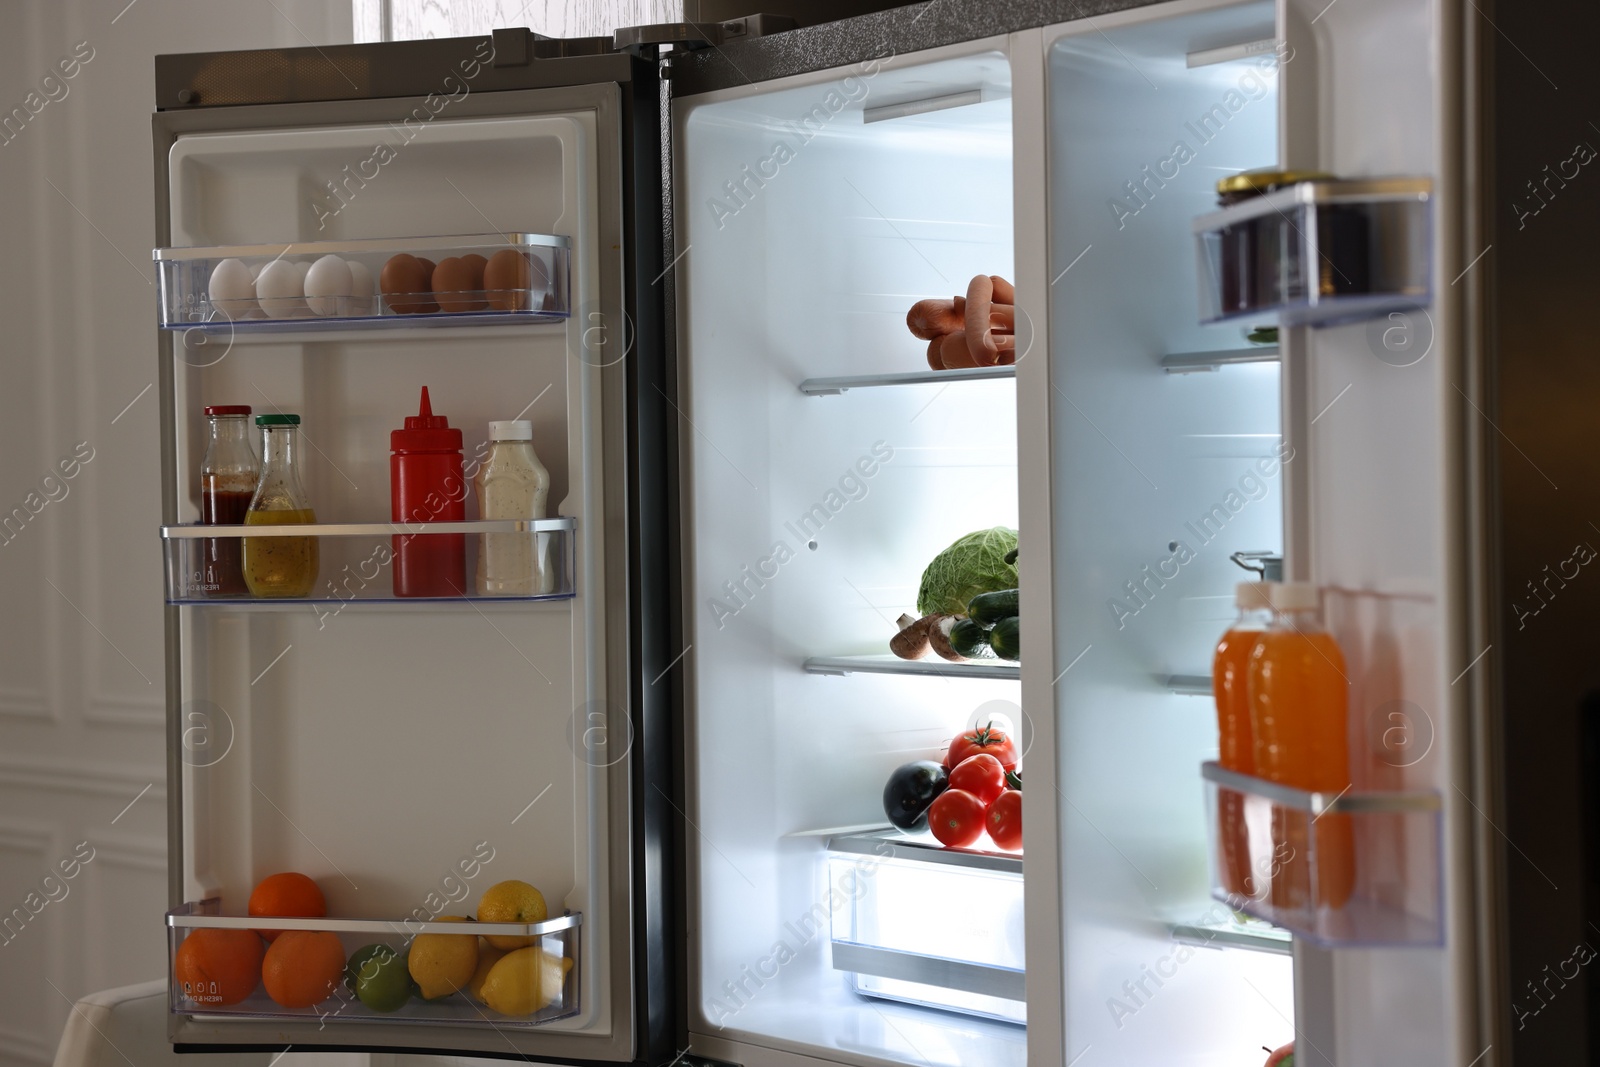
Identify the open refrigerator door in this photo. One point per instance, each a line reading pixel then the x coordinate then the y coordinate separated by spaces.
pixel 441 742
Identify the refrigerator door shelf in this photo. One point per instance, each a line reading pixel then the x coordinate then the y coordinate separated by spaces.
pixel 1318 253
pixel 556 938
pixel 891 930
pixel 1346 870
pixel 356 561
pixel 220 290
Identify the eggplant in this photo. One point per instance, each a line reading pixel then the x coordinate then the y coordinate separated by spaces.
pixel 911 789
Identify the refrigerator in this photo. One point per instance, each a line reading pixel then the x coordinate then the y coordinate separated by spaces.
pixel 682 738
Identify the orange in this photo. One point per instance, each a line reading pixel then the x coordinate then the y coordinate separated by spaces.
pixel 287 896
pixel 218 966
pixel 303 967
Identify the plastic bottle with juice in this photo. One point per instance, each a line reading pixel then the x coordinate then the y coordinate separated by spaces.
pixel 1230 675
pixel 280 566
pixel 1299 714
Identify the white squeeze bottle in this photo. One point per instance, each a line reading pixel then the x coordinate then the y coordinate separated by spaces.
pixel 513 484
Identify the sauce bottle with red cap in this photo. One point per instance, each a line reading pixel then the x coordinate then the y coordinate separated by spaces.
pixel 425 485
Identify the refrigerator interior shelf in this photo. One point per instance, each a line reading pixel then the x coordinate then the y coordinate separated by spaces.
pixel 557 966
pixel 990 670
pixel 890 931
pixel 316 286
pixel 1227 934
pixel 1319 252
pixel 835 386
pixel 1190 362
pixel 345 562
pixel 1348 869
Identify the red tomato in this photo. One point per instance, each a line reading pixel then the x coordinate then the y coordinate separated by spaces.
pixel 980 775
pixel 1004 820
pixel 982 739
pixel 956 818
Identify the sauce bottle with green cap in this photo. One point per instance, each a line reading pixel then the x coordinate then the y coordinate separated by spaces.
pixel 426 485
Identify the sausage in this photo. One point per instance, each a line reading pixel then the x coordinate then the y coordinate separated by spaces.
pixel 980 339
pixel 955 351
pixel 932 319
pixel 934 359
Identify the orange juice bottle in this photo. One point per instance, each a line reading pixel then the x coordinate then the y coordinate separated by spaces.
pixel 1299 714
pixel 1230 671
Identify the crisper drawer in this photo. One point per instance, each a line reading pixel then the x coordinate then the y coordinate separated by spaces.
pixel 892 933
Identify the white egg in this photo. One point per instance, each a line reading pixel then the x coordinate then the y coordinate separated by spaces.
pixel 231 289
pixel 280 290
pixel 328 286
pixel 361 291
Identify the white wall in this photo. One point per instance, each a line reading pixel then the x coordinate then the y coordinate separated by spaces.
pixel 81 666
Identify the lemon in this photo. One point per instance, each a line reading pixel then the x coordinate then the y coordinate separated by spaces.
pixel 488 956
pixel 511 902
pixel 440 964
pixel 525 981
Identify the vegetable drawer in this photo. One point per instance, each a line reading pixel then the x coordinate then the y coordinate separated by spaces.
pixel 892 932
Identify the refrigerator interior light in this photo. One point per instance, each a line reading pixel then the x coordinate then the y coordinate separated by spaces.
pixel 906 108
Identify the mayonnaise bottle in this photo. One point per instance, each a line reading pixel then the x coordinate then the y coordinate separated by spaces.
pixel 513 484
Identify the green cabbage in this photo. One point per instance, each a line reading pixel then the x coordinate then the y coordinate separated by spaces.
pixel 975 564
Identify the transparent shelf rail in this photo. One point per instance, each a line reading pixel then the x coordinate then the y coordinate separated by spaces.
pixel 992 670
pixel 1318 252
pixel 551 972
pixel 892 932
pixel 1191 362
pixel 835 386
pixel 324 563
pixel 1339 870
pixel 473 280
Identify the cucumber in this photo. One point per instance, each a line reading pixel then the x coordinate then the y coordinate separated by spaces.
pixel 1006 640
pixel 969 639
pixel 986 609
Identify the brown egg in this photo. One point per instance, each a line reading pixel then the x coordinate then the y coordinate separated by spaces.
pixel 404 284
pixel 427 273
pixel 506 280
pixel 458 283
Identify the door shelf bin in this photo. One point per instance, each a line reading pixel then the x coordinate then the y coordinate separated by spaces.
pixel 357 561
pixel 1339 870
pixel 893 895
pixel 540 294
pixel 557 939
pixel 1318 252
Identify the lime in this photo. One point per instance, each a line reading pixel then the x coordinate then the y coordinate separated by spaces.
pixel 379 977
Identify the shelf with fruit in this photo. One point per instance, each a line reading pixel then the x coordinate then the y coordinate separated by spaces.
pixel 468 280
pixel 509 966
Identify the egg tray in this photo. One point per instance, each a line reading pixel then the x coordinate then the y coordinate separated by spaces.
pixel 517 278
pixel 557 938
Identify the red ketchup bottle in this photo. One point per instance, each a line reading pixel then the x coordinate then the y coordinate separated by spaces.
pixel 425 485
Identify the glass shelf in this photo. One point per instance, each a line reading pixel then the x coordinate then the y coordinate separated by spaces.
pixel 1339 870
pixel 1190 362
pixel 990 670
pixel 835 386
pixel 1318 252
pixel 556 938
pixel 522 278
pixel 891 932
pixel 363 562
